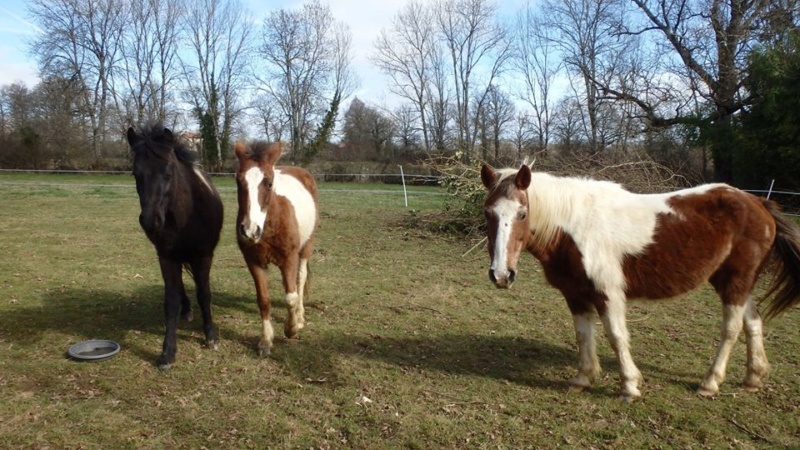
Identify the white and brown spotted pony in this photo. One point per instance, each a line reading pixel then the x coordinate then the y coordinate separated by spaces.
pixel 275 224
pixel 601 245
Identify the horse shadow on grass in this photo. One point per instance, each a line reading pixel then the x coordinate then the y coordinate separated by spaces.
pixel 97 314
pixel 524 361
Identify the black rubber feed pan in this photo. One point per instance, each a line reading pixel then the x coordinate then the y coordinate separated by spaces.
pixel 93 350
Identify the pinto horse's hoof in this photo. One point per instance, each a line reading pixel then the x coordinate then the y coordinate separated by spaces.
pixel 213 345
pixel 263 352
pixel 707 393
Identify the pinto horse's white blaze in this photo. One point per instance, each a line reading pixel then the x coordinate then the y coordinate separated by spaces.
pixel 256 214
pixel 506 212
pixel 600 245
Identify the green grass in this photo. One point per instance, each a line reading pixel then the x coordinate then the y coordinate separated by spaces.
pixel 407 343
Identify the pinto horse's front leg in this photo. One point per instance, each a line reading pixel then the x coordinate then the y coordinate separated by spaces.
pixel 617 333
pixel 171 271
pixel 262 297
pixel 588 364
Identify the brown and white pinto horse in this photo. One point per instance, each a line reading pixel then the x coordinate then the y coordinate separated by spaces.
pixel 600 245
pixel 275 224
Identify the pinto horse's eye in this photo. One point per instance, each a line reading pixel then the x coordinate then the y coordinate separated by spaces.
pixel 267 183
pixel 522 214
pixel 486 213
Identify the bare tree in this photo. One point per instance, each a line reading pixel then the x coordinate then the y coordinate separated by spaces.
pixel 584 33
pixel 151 60
pixel 478 45
pixel 82 44
pixel 406 52
pixel 406 127
pixel 702 48
pixel 307 56
pixel 218 33
pixel 535 61
pixel 499 111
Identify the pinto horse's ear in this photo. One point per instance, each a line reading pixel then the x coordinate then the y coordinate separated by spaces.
pixel 273 153
pixel 488 176
pixel 240 150
pixel 133 138
pixel 523 178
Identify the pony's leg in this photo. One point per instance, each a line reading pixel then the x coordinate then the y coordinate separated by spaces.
pixel 757 363
pixel 171 271
pixel 290 275
pixel 201 269
pixel 302 291
pixel 731 326
pixel 617 332
pixel 262 297
pixel 588 364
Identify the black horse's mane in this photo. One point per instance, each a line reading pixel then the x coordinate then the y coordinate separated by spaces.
pixel 158 141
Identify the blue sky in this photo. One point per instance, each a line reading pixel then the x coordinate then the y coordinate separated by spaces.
pixel 365 18
pixel 14 31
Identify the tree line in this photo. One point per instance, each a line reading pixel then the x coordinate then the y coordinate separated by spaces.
pixel 702 86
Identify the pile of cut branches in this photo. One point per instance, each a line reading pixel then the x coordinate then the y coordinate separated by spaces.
pixel 462 210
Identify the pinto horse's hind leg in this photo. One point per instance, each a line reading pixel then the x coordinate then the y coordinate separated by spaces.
pixel 290 272
pixel 171 271
pixel 757 364
pixel 302 291
pixel 731 326
pixel 201 269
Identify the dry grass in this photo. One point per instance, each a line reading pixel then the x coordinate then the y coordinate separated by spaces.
pixel 407 346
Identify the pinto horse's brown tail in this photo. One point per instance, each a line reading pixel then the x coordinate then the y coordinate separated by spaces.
pixel 784 290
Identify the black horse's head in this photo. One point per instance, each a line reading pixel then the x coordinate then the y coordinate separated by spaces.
pixel 154 167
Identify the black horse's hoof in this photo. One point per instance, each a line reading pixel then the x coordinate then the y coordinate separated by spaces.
pixel 164 363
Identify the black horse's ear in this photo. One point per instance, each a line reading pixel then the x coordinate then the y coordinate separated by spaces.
pixel 488 176
pixel 168 134
pixel 133 138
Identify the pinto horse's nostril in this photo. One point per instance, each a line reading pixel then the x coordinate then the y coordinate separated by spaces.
pixel 258 231
pixel 512 275
pixel 492 278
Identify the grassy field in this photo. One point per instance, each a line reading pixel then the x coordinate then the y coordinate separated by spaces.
pixel 407 343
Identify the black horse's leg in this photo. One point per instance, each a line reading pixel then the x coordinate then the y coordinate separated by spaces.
pixel 201 268
pixel 186 305
pixel 173 284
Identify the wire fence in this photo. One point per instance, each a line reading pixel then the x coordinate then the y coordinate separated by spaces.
pixel 791 199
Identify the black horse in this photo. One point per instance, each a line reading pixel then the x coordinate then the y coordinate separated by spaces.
pixel 182 217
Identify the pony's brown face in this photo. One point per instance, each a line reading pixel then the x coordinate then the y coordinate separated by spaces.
pixel 507 226
pixel 254 179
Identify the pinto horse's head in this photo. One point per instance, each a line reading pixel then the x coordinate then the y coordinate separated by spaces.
pixel 255 174
pixel 507 226
pixel 154 166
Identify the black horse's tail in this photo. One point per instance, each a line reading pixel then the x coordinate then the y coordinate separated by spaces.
pixel 784 290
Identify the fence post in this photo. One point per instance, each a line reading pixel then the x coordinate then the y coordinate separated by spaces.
pixel 403 177
pixel 772 183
